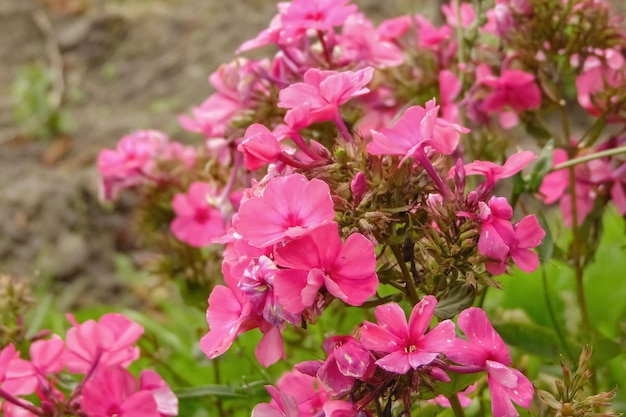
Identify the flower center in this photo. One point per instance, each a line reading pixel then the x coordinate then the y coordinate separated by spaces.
pixel 410 349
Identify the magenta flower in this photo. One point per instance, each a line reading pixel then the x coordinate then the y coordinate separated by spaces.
pixel 485 351
pixel 282 405
pixel 112 392
pixel 289 207
pixel 259 146
pixel 133 158
pixel 197 221
pixel 47 355
pixel 405 346
pixel 347 361
pixel 513 92
pixel 416 129
pixel 305 389
pixel 467 13
pixel 17 376
pixel 499 239
pixel 303 15
pixel 322 92
pixel 107 342
pixel 167 403
pixel 361 43
pixel 494 172
pixel 348 270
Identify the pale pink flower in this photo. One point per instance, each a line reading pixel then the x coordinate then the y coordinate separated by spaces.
pixel 197 221
pixel 322 92
pixel 417 128
pixel 112 392
pixel 107 342
pixel 166 401
pixel 449 87
pixel 405 346
pixel 468 14
pixel 462 396
pixel 289 207
pixel 361 43
pixel 485 351
pixel 12 410
pixel 394 28
pixel 259 146
pixel 347 271
pixel 340 408
pixel 604 71
pixel 130 162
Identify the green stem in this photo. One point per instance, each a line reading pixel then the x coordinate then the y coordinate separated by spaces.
pixel 552 315
pixel 408 279
pixel 456 406
pixel 582 159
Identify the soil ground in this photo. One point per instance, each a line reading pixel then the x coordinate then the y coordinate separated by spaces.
pixel 127 65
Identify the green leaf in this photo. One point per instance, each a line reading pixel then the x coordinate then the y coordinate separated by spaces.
pixel 458 382
pixel 455 301
pixel 221 391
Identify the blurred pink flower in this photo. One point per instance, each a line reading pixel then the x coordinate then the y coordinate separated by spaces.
pixel 107 342
pixel 322 92
pixel 112 392
pixel 405 346
pixel 494 172
pixel 47 355
pixel 485 351
pixel 197 221
pixel 282 405
pixel 166 401
pixel 362 44
pixel 17 376
pixel 468 14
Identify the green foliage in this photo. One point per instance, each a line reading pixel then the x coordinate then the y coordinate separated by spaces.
pixel 34 111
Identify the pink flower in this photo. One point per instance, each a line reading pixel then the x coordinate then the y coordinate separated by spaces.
pixel 417 128
pixel 322 92
pixel 485 351
pixel 304 389
pixel 340 408
pixel 197 222
pixel 303 15
pixel 112 392
pixel 17 376
pixel 513 92
pixel 347 361
pixel 600 73
pixel 348 270
pixel 449 87
pixel 282 405
pixel 47 355
pixel 362 44
pixel 462 396
pixel 259 146
pixel 494 172
pixel 166 401
pixel 289 207
pixel 468 14
pixel 133 158
pixel 107 342
pixel 405 346
pixel 499 239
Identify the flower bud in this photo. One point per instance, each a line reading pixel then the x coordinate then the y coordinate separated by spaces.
pixel 358 186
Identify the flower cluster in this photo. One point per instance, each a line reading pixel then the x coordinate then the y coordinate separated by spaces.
pixel 399 361
pixel 100 352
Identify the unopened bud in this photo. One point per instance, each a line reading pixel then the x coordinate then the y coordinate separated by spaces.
pixel 358 186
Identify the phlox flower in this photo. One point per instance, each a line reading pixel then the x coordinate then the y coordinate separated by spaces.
pixel 282 405
pixel 113 392
pixel 494 172
pixel 347 361
pixel 305 389
pixel 499 239
pixel 108 342
pixel 485 351
pixel 449 88
pixel 167 403
pixel 361 43
pixel 467 13
pixel 416 129
pixel 462 396
pixel 429 36
pixel 407 346
pixel 511 93
pixel 599 73
pixel 128 164
pixel 259 146
pixel 303 15
pixel 47 355
pixel 197 221
pixel 288 208
pixel 12 410
pixel 17 376
pixel 340 408
pixel 322 92
pixel 347 271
